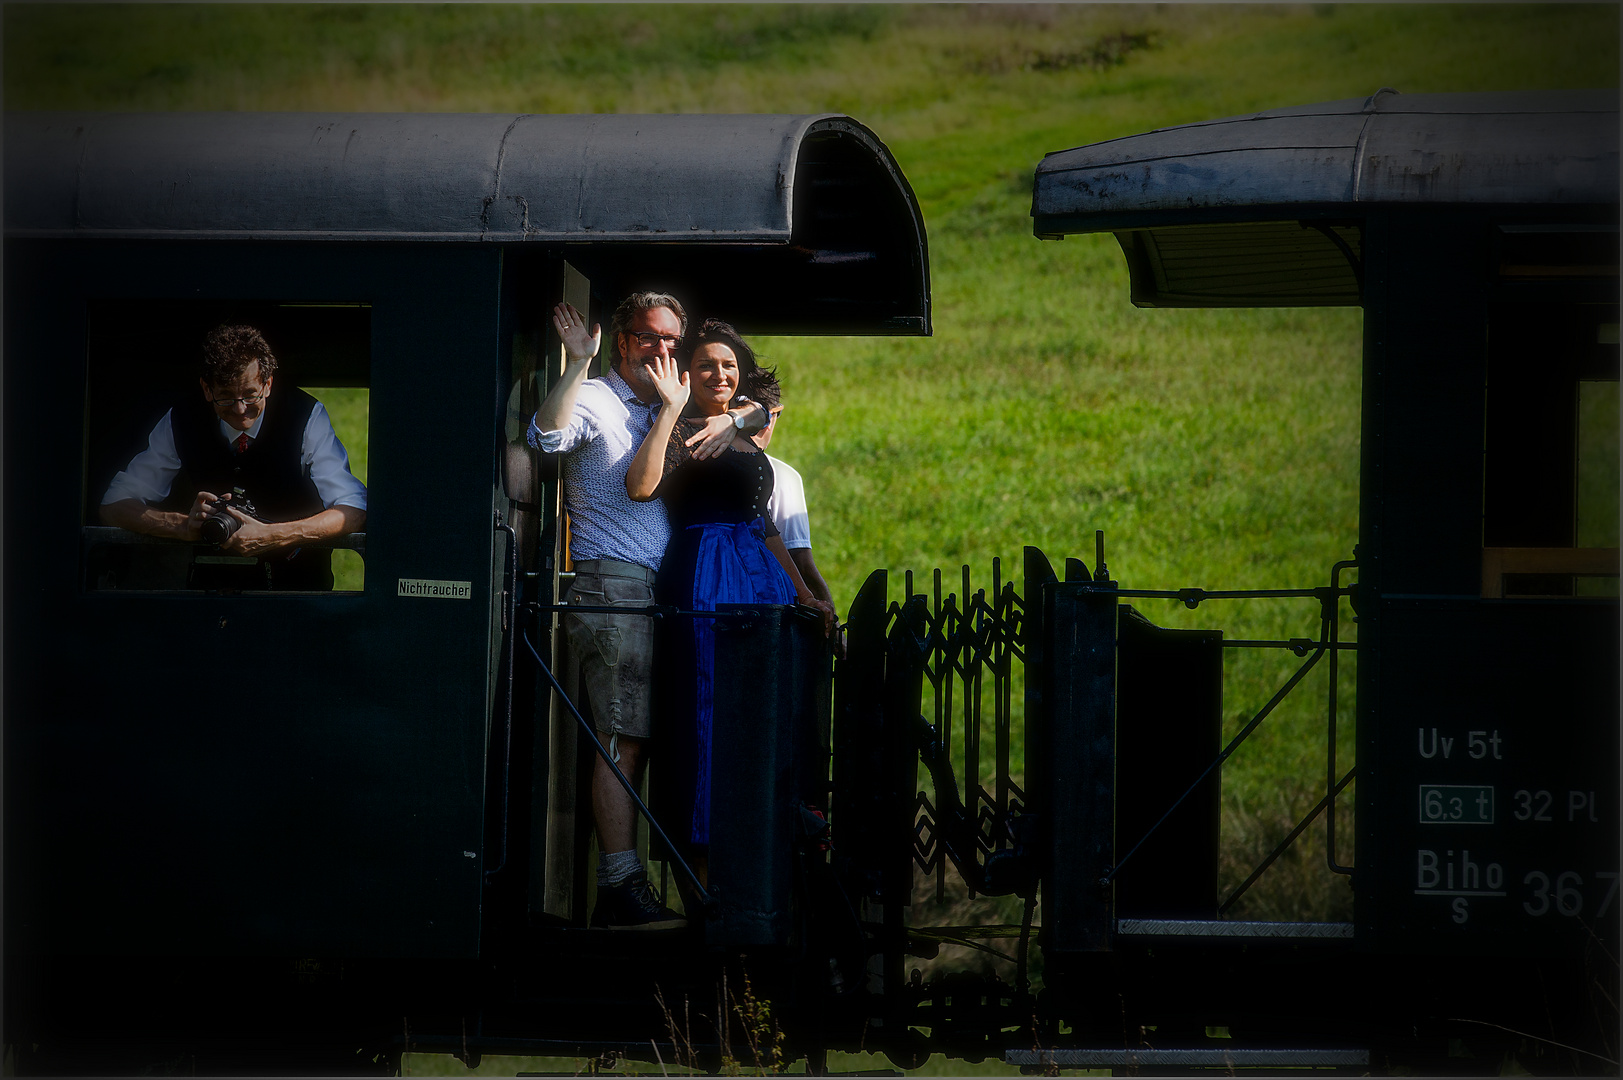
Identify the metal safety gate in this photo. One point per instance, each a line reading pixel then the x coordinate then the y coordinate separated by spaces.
pixel 1026 711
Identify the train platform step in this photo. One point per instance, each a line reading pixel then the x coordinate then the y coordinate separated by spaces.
pixel 1235 928
pixel 1228 1059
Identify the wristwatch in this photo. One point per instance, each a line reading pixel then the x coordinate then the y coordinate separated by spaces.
pixel 738 419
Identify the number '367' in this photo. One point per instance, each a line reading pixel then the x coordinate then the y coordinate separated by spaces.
pixel 1565 893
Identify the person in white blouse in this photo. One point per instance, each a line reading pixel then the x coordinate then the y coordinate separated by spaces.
pixel 278 446
pixel 788 508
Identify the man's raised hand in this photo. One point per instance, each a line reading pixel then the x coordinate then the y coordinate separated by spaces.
pixel 669 382
pixel 579 344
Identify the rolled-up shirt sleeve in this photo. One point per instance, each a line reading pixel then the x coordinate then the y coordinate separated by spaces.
pixel 151 473
pixel 328 463
pixel 581 428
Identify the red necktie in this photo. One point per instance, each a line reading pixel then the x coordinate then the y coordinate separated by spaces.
pixel 242 442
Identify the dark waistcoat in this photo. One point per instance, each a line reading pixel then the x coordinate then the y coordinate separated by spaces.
pixel 270 471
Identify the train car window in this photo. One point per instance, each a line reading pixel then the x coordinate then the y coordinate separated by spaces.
pixel 1557 251
pixel 349 409
pixel 152 440
pixel 1550 498
pixel 1598 475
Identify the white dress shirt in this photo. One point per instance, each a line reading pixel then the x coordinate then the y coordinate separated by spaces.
pixel 151 473
pixel 605 429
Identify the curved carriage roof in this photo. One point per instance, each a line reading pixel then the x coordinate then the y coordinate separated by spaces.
pixel 1213 213
pixel 1546 147
pixel 803 224
pixel 415 176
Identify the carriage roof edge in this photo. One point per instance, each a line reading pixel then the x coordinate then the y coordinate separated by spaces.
pixel 1494 148
pixel 1268 209
pixel 419 176
pixel 804 223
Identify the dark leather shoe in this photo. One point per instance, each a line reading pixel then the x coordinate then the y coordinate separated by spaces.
pixel 633 905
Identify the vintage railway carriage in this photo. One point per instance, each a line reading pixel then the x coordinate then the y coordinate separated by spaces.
pixel 257 823
pixel 258 829
pixel 1478 232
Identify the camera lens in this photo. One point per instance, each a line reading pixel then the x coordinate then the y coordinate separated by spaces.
pixel 218 527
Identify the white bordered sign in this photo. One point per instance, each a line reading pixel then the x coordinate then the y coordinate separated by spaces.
pixel 444 590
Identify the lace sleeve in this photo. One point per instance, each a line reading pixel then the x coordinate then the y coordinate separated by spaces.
pixel 676 451
pixel 676 448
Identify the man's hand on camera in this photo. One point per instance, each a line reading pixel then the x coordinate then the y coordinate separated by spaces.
pixel 253 537
pixel 202 507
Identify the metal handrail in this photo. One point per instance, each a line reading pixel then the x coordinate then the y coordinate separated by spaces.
pixel 1327 645
pixel 706 900
pixel 1290 838
pixel 660 611
pixel 1331 787
pixel 1233 745
pixel 112 534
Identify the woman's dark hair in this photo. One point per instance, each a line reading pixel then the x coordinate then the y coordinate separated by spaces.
pixel 758 383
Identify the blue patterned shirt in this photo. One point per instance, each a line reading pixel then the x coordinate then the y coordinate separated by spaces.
pixel 602 437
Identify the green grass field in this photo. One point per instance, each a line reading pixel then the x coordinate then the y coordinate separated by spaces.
pixel 348 408
pixel 1215 448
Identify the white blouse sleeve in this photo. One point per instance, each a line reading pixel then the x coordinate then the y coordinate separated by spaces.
pixel 788 505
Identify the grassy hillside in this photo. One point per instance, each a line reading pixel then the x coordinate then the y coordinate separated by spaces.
pixel 1215 448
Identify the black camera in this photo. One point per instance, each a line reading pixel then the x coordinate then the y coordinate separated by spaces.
pixel 220 526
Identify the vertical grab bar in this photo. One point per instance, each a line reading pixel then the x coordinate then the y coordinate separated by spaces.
pixel 509 607
pixel 1331 786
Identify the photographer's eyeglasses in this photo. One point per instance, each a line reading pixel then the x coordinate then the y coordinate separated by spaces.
pixel 245 402
pixel 648 339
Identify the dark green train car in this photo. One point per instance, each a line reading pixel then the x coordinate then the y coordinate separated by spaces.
pixel 270 816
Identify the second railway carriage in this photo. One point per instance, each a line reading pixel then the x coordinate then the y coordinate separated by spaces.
pixel 1478 233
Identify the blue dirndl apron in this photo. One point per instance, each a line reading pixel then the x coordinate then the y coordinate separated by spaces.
pixel 733 566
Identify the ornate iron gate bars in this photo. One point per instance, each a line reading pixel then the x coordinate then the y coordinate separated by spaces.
pixel 964 640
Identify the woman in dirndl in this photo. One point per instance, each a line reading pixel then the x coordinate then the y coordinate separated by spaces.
pixel 723 549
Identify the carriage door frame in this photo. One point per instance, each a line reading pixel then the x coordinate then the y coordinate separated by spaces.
pixel 561 831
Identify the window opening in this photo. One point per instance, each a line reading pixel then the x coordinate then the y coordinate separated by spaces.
pixel 1550 500
pixel 153 439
